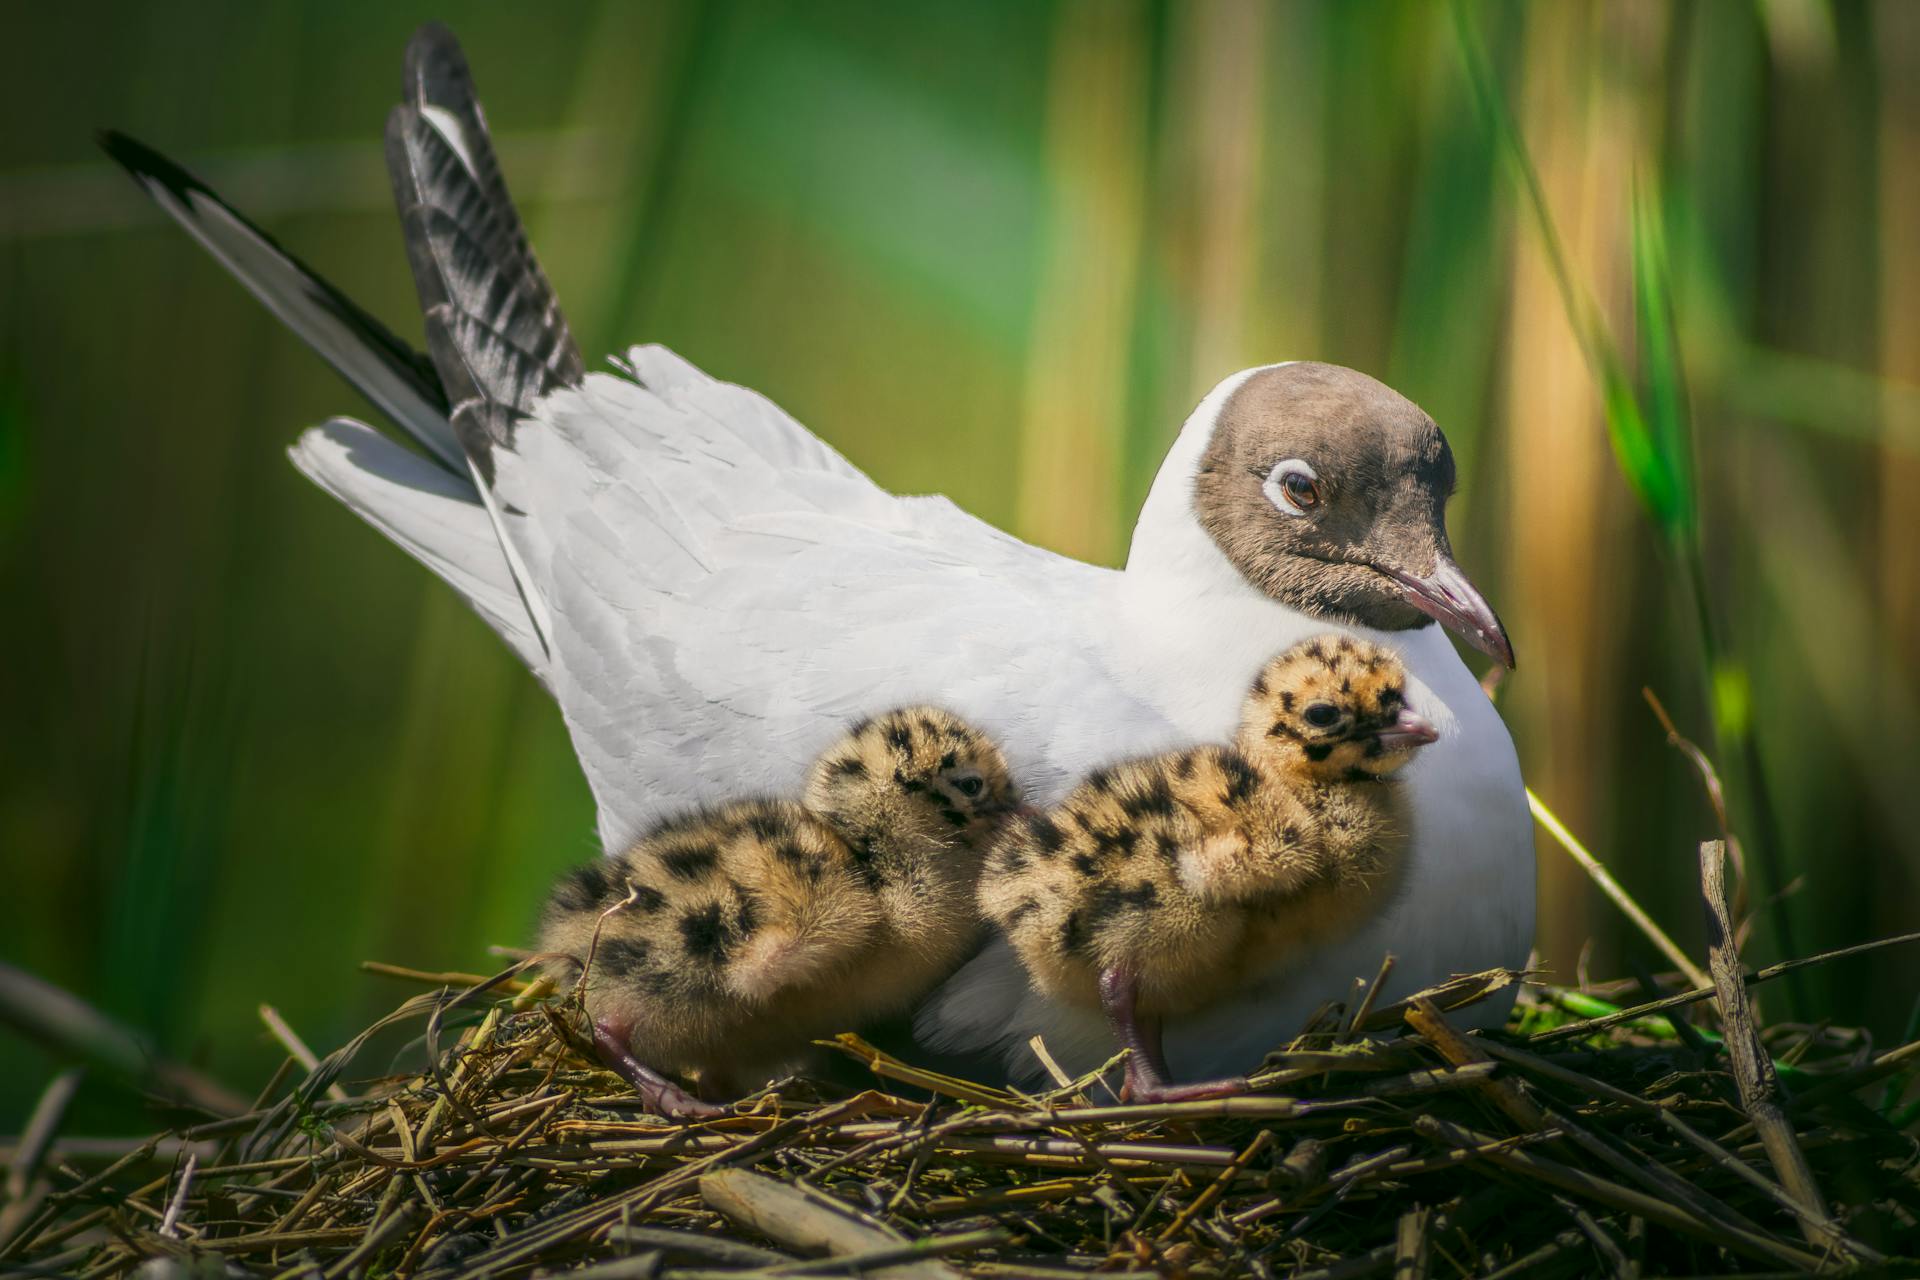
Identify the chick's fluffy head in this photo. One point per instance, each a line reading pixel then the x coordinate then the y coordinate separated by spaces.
pixel 921 763
pixel 1333 707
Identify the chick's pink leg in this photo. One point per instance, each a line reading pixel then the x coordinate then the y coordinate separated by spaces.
pixel 662 1096
pixel 1147 1074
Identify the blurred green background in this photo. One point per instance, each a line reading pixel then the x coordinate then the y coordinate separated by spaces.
pixel 992 249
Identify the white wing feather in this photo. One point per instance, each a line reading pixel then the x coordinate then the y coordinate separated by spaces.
pixel 429 512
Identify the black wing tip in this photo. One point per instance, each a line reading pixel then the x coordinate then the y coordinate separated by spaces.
pixel 144 163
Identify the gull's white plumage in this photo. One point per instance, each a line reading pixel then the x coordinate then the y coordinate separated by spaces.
pixel 728 591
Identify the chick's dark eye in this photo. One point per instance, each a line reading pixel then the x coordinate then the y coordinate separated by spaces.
pixel 969 786
pixel 1321 715
pixel 1304 492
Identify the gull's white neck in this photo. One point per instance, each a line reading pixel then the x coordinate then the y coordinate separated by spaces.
pixel 1168 541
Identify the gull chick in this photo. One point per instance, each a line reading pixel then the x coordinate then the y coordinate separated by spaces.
pixel 1161 885
pixel 726 939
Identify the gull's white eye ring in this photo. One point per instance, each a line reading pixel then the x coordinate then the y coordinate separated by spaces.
pixel 1293 486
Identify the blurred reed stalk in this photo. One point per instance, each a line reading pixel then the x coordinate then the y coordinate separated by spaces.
pixel 1077 379
pixel 1649 428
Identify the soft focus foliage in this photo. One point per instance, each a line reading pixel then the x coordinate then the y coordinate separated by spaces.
pixel 993 249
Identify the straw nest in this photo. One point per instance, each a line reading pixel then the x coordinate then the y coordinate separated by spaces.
pixel 1599 1134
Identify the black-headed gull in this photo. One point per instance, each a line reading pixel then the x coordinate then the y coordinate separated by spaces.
pixel 712 593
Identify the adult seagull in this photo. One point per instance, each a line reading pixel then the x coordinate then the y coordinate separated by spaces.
pixel 711 592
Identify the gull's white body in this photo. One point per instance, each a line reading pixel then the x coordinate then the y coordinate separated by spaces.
pixel 725 593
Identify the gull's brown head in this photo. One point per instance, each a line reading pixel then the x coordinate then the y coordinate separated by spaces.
pixel 1328 491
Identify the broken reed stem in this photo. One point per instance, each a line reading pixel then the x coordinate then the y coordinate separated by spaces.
pixel 40 1130
pixel 1613 889
pixel 1710 782
pixel 1751 1064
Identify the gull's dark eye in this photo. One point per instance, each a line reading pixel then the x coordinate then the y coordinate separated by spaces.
pixel 1322 715
pixel 1304 492
pixel 968 786
pixel 1293 486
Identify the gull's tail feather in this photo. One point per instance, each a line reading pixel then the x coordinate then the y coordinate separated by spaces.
pixel 399 381
pixel 494 326
pixel 498 338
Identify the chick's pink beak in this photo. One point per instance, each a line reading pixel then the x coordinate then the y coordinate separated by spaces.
pixel 1409 730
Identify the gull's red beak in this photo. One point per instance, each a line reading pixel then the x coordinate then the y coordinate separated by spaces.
pixel 1448 598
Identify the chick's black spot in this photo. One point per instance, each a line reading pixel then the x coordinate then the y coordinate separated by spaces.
pixel 1085 864
pixel 1047 836
pixel 1286 699
pixel 766 826
pixel 581 889
pixel 1073 932
pixel 850 767
pixel 955 817
pixel 1156 798
pixel 646 898
pixel 1319 752
pixel 898 738
pixel 704 931
pixel 1241 779
pixel 689 863
pixel 1109 900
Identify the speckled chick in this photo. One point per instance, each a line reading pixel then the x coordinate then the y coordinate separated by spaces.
pixel 1159 885
pixel 724 941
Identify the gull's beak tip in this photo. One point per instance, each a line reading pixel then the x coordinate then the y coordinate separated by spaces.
pixel 1448 598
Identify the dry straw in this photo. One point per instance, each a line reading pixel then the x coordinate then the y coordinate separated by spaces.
pixel 1590 1137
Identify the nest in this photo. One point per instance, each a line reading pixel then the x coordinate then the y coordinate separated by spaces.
pixel 1598 1134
